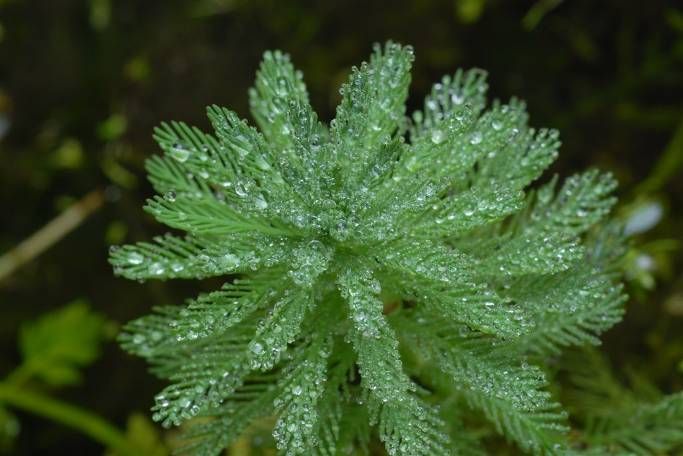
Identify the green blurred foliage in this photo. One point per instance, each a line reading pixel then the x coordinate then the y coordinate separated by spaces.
pixel 112 128
pixel 82 83
pixel 469 11
pixel 55 348
pixel 59 343
pixel 143 434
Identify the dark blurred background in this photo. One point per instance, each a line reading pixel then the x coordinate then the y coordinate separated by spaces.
pixel 82 84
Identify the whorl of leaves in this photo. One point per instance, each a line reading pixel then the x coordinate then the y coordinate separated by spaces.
pixel 374 267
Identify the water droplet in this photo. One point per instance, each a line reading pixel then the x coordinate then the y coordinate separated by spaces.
pixel 156 269
pixel 457 98
pixel 179 152
pixel 475 138
pixel 281 88
pixel 135 258
pixel 496 125
pixel 257 348
pixel 645 262
pixel 240 190
pixel 260 203
pixel 437 136
pixel 230 261
pixel 170 196
pixel 262 163
pixel 297 390
pixel 643 218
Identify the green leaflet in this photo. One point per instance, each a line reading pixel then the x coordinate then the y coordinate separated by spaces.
pixel 619 420
pixel 508 392
pixel 371 110
pixel 231 418
pixel 372 338
pixel 376 268
pixel 302 387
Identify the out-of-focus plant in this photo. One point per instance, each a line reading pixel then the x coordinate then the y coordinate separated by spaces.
pixel 648 259
pixel 635 420
pixel 54 349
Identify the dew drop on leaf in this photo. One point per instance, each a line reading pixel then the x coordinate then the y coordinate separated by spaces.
pixel 156 269
pixel 437 136
pixel 257 348
pixel 179 152
pixel 135 258
pixel 260 203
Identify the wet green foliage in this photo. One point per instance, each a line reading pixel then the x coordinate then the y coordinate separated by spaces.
pixel 82 84
pixel 350 238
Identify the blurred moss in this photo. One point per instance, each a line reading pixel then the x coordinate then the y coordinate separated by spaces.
pixel 116 233
pixel 538 11
pixel 137 69
pixel 69 154
pixel 100 13
pixel 469 11
pixel 112 128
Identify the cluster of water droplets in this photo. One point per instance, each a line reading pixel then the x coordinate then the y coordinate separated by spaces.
pixel 179 152
pixel 539 254
pixel 177 404
pixel 279 328
pixel 308 262
pixel 361 290
pixel 139 264
pixel 295 431
pixel 410 428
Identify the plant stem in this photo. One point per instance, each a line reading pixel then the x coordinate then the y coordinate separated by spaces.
pixel 20 375
pixel 48 235
pixel 70 415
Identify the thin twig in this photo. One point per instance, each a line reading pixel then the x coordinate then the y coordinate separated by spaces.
pixel 50 234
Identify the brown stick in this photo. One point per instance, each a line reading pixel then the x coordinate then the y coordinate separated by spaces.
pixel 50 234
